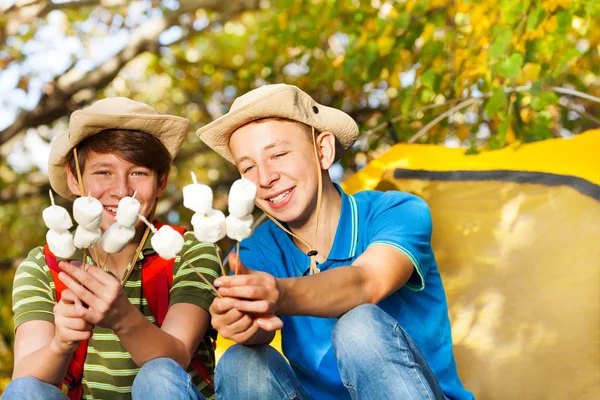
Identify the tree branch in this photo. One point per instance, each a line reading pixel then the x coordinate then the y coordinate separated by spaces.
pixel 57 101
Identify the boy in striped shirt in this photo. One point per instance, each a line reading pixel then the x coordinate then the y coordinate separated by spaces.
pixel 123 147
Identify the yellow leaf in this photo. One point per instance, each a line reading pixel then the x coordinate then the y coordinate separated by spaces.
pixel 337 61
pixel 531 71
pixel 510 135
pixel 462 132
pixel 385 45
pixel 428 32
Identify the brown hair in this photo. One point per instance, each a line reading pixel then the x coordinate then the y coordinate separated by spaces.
pixel 136 147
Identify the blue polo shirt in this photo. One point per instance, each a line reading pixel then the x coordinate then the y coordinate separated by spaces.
pixel 396 219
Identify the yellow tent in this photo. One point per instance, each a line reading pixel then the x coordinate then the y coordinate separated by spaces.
pixel 517 240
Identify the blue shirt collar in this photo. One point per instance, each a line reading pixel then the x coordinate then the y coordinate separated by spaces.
pixel 346 235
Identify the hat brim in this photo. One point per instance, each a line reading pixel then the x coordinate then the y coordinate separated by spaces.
pixel 170 130
pixel 277 105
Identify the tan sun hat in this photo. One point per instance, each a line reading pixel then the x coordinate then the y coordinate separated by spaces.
pixel 111 113
pixel 278 101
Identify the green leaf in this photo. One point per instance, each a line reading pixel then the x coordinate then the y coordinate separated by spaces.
pixel 511 67
pixel 501 43
pixel 543 100
pixel 564 19
pixel 496 102
pixel 428 79
pixel 535 18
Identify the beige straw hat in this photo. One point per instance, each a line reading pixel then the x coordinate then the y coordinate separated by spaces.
pixel 111 113
pixel 278 101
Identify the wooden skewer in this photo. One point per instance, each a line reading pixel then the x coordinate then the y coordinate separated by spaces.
pixel 51 197
pixel 200 275
pixel 237 250
pixel 218 253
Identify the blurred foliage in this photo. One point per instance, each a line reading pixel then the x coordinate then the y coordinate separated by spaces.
pixel 513 71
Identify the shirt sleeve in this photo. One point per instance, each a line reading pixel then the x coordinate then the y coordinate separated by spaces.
pixel 188 287
pixel 251 250
pixel 33 293
pixel 403 221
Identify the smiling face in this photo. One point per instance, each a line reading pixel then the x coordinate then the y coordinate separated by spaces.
pixel 110 178
pixel 278 156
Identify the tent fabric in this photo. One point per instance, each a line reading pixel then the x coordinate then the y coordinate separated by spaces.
pixel 517 240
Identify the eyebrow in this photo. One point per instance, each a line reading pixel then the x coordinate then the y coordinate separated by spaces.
pixel 267 147
pixel 101 165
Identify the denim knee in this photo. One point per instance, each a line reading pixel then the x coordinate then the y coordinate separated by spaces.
pixel 29 387
pixel 252 358
pixel 363 329
pixel 159 372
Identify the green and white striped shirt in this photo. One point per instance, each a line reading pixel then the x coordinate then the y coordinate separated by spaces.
pixel 109 369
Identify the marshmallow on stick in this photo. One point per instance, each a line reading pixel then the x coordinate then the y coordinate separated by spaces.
pixel 128 210
pixel 116 237
pixel 239 228
pixel 88 211
pixel 241 198
pixel 167 242
pixel 60 243
pixel 210 227
pixel 56 217
pixel 85 239
pixel 197 197
pixel 241 203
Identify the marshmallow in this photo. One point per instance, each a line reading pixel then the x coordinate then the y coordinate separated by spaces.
pixel 57 217
pixel 209 228
pixel 116 237
pixel 198 198
pixel 127 213
pixel 241 198
pixel 239 228
pixel 60 243
pixel 84 239
pixel 167 242
pixel 87 211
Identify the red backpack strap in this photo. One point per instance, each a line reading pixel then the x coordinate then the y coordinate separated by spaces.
pixel 157 280
pixel 71 384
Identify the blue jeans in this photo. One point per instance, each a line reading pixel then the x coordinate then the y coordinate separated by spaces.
pixel 376 359
pixel 161 378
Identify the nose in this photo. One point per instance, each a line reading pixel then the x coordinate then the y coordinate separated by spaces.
pixel 267 175
pixel 121 187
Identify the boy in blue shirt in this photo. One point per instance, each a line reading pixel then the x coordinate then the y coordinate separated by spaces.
pixel 351 281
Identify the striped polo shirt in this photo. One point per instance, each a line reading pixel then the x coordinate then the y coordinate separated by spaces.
pixel 109 369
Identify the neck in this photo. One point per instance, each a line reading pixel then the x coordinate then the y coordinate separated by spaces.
pixel 117 263
pixel 331 207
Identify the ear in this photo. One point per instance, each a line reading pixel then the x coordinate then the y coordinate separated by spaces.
pixel 162 186
pixel 72 182
pixel 326 146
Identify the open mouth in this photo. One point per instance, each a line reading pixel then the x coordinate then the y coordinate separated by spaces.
pixel 111 210
pixel 281 199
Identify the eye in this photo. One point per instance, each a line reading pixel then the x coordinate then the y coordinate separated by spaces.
pixel 279 155
pixel 101 172
pixel 247 169
pixel 141 173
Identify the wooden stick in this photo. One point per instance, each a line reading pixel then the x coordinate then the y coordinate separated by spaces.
pixel 51 197
pixel 200 275
pixel 237 250
pixel 219 258
pixel 84 250
pixel 79 178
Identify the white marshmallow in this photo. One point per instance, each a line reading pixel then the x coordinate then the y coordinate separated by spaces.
pixel 241 198
pixel 167 242
pixel 198 198
pixel 60 243
pixel 57 217
pixel 239 228
pixel 85 239
pixel 87 211
pixel 116 237
pixel 127 213
pixel 209 228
